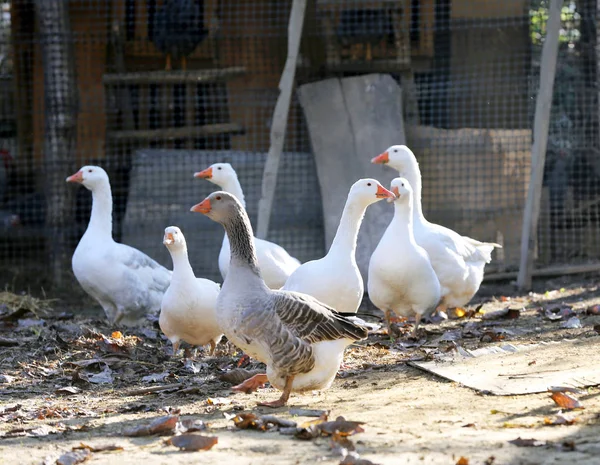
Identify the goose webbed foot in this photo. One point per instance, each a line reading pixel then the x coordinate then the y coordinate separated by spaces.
pixel 251 384
pixel 287 390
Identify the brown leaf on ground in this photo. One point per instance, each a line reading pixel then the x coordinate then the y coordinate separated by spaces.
pixel 71 458
pixel 342 442
pixel 117 335
pixel 102 448
pixel 462 461
pixel 7 410
pixel 342 427
pixel 238 375
pixel 193 442
pixel 161 425
pixel 490 460
pixel 527 442
pixel 593 310
pixel 566 400
pixel 248 421
pixel 560 419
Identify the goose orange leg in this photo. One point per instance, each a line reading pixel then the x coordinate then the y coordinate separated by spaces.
pixel 251 384
pixel 287 390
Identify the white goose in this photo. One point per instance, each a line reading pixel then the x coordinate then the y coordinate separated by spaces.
pixel 401 278
pixel 335 279
pixel 188 311
pixel 458 261
pixel 275 263
pixel 126 282
pixel 301 340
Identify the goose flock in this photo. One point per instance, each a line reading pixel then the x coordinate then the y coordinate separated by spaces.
pixel 295 318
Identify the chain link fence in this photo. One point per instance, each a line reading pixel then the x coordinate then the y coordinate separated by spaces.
pixel 115 84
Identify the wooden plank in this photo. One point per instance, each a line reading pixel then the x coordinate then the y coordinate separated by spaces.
pixel 349 122
pixel 280 118
pixel 175 133
pixel 540 140
pixel 174 77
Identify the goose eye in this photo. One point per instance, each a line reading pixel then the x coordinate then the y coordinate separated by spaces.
pixel 402 184
pixel 218 197
pixel 219 168
pixel 89 171
pixel 395 150
pixel 368 184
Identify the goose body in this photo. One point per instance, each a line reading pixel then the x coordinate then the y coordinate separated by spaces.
pixel 188 310
pixel 275 263
pixel 458 261
pixel 300 339
pixel 335 279
pixel 401 277
pixel 124 281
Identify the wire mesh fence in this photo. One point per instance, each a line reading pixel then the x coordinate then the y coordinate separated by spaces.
pixel 155 90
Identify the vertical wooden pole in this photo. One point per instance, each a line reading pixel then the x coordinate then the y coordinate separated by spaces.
pixel 60 128
pixel 280 117
pixel 540 141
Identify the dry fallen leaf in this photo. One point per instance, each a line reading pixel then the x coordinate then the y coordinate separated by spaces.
pixel 238 375
pixel 490 460
pixel 117 335
pixel 193 442
pixel 71 458
pixel 462 461
pixel 248 421
pixel 218 401
pixel 190 425
pixel 102 448
pixel 593 310
pixel 527 442
pixel 156 377
pixel 566 400
pixel 342 443
pixel 161 425
pixel 560 419
pixel 342 427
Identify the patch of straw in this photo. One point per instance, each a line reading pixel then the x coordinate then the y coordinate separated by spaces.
pixel 24 302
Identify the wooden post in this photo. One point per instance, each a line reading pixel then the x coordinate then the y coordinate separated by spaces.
pixel 60 128
pixel 280 117
pixel 540 140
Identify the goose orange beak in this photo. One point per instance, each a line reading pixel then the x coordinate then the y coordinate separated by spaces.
pixel 383 193
pixel 395 191
pixel 77 177
pixel 203 207
pixel 168 239
pixel 381 159
pixel 204 174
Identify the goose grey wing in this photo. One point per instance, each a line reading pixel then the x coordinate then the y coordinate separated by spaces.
pixel 312 321
pixel 155 276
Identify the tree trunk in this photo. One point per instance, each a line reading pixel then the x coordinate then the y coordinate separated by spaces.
pixel 60 106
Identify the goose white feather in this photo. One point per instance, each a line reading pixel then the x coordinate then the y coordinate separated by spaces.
pixel 188 311
pixel 401 278
pixel 458 261
pixel 276 264
pixel 124 281
pixel 335 279
pixel 300 339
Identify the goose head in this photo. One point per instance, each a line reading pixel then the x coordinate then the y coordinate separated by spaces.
pixel 219 206
pixel 368 191
pixel 90 176
pixel 401 189
pixel 399 157
pixel 217 173
pixel 174 239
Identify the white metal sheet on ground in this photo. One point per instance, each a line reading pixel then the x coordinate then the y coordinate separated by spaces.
pixel 525 369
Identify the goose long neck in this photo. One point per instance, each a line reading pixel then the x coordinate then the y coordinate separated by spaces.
pixel 404 218
pixel 233 186
pixel 181 263
pixel 243 253
pixel 101 217
pixel 413 176
pixel 344 242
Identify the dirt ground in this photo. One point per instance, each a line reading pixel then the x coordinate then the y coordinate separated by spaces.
pixel 67 379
